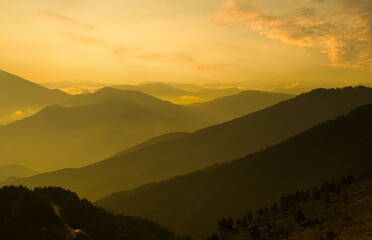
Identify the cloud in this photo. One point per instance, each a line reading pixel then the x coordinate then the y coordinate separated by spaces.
pixel 69 20
pixel 341 28
pixel 120 50
pixel 178 59
pixel 190 97
pixel 74 90
pixel 86 39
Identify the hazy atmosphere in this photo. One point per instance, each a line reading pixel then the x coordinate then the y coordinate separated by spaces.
pixel 268 43
pixel 186 120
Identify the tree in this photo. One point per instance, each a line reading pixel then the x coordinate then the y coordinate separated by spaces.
pixel 225 225
pixel 213 237
pixel 326 197
pixel 284 203
pixel 249 217
pixel 274 208
pixel 241 223
pixel 299 216
pixel 316 193
pixel 254 233
pixel 260 211
pixel 330 235
pixel 350 179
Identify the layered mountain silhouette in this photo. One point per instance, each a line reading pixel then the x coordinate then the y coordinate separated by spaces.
pixel 215 111
pixel 227 108
pixel 14 170
pixel 55 213
pixel 211 145
pixel 195 202
pixel 102 124
pixel 20 98
pixel 83 129
pixel 162 138
pixel 158 89
pixel 178 93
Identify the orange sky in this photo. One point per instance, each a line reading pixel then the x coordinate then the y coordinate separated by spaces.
pixel 121 41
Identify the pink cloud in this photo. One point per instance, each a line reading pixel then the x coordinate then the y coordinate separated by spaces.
pixel 342 28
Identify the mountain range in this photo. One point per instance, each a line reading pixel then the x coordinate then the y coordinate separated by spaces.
pixel 98 126
pixel 195 202
pixel 178 93
pixel 229 107
pixel 208 146
pixel 83 129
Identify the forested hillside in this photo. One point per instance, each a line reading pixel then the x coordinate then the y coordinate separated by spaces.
pixel 55 213
pixel 331 211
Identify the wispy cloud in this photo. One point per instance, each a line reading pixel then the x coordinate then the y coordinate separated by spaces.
pixel 177 59
pixel 69 20
pixel 86 39
pixel 120 51
pixel 341 28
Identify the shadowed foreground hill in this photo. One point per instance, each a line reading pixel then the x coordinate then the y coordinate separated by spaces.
pixel 54 213
pixel 340 211
pixel 208 146
pixel 193 203
pixel 19 97
pixel 105 123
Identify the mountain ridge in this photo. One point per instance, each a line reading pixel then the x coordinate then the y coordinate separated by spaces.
pixel 20 97
pixel 215 144
pixel 325 152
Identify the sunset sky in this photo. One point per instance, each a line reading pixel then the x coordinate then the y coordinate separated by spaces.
pixel 193 41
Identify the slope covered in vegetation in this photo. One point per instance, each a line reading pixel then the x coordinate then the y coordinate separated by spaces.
pixel 55 213
pixel 332 211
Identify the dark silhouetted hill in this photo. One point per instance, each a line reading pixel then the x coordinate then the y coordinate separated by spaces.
pixel 19 97
pixel 195 202
pixel 333 211
pixel 55 213
pixel 216 144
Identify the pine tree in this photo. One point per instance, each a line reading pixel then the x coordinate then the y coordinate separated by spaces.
pixel 316 193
